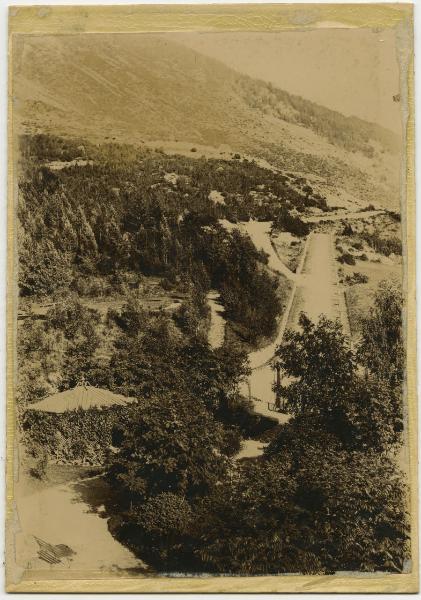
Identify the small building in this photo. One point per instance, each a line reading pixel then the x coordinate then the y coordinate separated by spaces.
pixel 75 426
pixel 81 397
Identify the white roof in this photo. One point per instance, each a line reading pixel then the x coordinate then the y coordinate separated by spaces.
pixel 81 397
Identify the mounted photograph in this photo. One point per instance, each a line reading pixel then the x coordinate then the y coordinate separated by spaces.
pixel 211 379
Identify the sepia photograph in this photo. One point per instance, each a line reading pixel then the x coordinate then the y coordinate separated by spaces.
pixel 211 299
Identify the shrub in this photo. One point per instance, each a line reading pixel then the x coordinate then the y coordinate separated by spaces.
pixel 158 528
pixel 169 444
pixel 346 258
pixel 75 437
pixel 287 222
pixel 382 348
pixel 313 509
pixel 395 215
pixel 356 278
pixel 39 470
pixel 166 284
pixel 382 245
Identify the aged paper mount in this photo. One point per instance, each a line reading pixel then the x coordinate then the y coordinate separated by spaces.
pixel 66 20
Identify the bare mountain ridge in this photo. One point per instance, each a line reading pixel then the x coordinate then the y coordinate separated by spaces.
pixel 138 88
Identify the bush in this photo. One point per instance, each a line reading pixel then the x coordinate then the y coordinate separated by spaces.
pixel 39 470
pixel 346 258
pixel 313 508
pixel 287 222
pixel 382 245
pixel 382 348
pixel 169 444
pixel 356 278
pixel 76 437
pixel 158 528
pixel 395 215
pixel 166 284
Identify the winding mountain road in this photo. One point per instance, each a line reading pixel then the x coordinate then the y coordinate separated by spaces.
pixel 316 292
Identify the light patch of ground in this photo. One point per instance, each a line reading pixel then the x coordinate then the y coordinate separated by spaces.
pixel 171 178
pixel 334 196
pixel 217 324
pixel 318 290
pixel 216 197
pixel 71 514
pixel 58 165
pixel 382 168
pixel 251 449
pixel 194 150
pixel 258 388
pixel 190 149
pixel 338 216
pixel 288 248
pixel 342 198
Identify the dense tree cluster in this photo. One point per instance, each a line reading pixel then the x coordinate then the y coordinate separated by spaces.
pixel 326 496
pixel 136 211
pixel 55 352
pixel 310 508
pixel 284 221
pixel 351 133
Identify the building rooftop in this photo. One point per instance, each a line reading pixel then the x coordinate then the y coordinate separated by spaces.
pixel 83 397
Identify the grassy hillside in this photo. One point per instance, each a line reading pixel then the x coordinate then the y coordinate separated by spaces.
pixel 142 88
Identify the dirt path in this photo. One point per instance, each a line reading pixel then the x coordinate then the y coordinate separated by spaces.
pixel 70 514
pixel 318 289
pixel 259 233
pixel 362 214
pixel 316 292
pixel 251 449
pixel 318 285
pixel 217 325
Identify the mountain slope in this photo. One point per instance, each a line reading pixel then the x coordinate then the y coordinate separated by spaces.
pixel 140 88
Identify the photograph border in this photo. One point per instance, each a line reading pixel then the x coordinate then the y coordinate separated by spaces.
pixel 162 18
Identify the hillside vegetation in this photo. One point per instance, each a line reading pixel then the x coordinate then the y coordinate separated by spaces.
pixel 141 88
pixel 99 225
pixel 351 133
pixel 106 214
